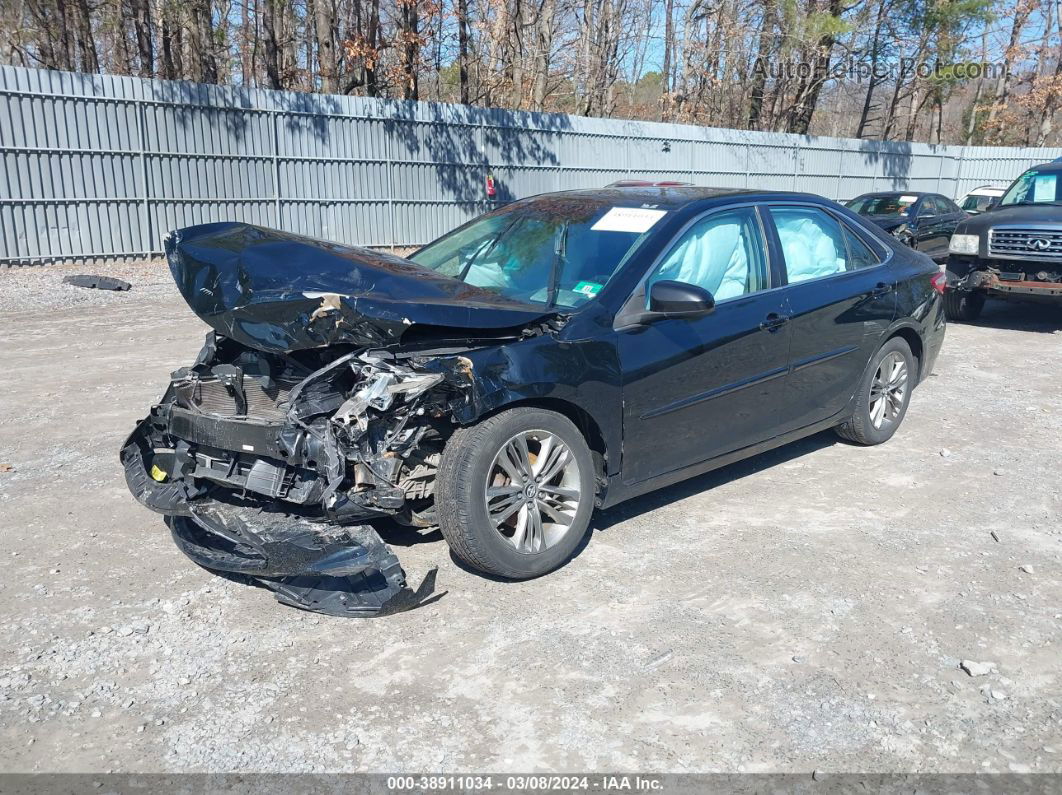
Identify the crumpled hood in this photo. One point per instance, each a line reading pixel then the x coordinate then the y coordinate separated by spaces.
pixel 276 291
pixel 887 222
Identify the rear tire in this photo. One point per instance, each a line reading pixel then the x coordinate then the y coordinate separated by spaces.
pixel 963 305
pixel 884 395
pixel 515 493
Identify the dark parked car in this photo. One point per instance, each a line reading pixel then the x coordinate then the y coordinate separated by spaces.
pixel 1013 250
pixel 923 221
pixel 566 352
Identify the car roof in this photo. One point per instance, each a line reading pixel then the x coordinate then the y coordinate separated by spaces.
pixel 988 190
pixel 885 193
pixel 1054 165
pixel 670 197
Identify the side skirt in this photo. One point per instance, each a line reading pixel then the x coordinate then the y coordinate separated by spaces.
pixel 617 491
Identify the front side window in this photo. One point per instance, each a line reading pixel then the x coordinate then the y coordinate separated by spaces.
pixel 947 205
pixel 723 253
pixel 813 243
pixel 1034 187
pixel 557 252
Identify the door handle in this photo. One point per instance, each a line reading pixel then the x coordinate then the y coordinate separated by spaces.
pixel 773 322
pixel 882 288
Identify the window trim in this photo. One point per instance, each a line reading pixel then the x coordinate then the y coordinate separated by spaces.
pixel 844 224
pixel 639 292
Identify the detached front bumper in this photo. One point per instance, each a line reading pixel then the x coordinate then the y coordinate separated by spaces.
pixel 309 563
pixel 1015 280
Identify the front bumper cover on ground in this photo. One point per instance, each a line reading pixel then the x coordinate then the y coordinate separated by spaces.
pixel 310 564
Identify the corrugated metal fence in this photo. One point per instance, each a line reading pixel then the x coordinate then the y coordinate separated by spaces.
pixel 98 166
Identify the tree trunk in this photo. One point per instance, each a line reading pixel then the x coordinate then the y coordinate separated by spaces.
pixel 409 35
pixel 140 11
pixel 462 49
pixel 1021 16
pixel 543 51
pixel 172 42
pixel 86 42
pixel 669 49
pixel 808 91
pixel 1051 101
pixel 872 83
pixel 202 32
pixel 761 65
pixel 326 35
pixel 272 44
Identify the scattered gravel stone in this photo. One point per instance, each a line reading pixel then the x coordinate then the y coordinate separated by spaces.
pixel 659 660
pixel 944 452
pixel 1026 569
pixel 977 668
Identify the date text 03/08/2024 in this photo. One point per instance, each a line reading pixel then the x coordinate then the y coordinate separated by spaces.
pixel 487 783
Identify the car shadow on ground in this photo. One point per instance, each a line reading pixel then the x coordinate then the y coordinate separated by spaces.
pixel 602 520
pixel 1014 316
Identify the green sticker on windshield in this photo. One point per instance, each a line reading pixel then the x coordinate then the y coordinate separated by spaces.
pixel 588 288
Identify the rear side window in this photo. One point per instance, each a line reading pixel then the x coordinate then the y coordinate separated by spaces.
pixel 813 243
pixel 948 205
pixel 723 253
pixel 859 253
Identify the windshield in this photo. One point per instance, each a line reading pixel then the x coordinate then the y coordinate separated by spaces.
pixel 1034 187
pixel 882 205
pixel 558 252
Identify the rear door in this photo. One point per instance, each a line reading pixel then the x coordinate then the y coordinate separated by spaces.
pixel 695 388
pixel 953 214
pixel 841 299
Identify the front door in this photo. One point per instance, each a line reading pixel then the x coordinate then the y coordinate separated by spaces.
pixel 695 388
pixel 841 299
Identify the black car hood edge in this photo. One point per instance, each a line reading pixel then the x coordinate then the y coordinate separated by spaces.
pixel 1013 214
pixel 276 291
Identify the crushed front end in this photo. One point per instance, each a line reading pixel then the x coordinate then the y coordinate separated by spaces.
pixel 267 464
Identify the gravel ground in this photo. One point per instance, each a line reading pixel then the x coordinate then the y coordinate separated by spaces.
pixel 808 609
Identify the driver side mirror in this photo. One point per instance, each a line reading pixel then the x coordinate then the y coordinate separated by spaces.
pixel 679 299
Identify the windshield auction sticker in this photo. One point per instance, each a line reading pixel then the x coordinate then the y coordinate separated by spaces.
pixel 628 219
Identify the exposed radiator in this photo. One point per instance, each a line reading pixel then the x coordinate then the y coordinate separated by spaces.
pixel 212 397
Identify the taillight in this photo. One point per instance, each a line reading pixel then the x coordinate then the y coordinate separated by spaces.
pixel 939 282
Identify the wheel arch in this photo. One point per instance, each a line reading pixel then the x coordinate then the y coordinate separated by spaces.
pixel 913 338
pixel 586 423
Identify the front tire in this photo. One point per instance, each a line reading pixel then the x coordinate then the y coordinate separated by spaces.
pixel 884 395
pixel 963 305
pixel 515 493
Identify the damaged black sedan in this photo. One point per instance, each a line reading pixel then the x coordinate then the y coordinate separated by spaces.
pixel 566 352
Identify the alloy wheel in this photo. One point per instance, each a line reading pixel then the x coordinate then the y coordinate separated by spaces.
pixel 888 390
pixel 532 491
